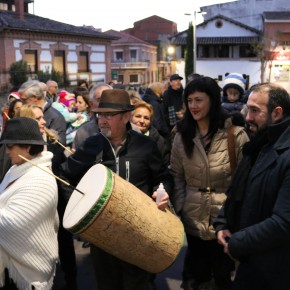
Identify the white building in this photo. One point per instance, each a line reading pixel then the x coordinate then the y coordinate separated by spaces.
pixel 223 45
pixel 248 12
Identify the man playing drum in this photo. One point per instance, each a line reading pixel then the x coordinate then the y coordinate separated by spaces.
pixel 135 158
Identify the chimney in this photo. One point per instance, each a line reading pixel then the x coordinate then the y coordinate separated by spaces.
pixel 19 9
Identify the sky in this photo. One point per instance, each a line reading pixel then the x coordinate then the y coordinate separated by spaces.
pixel 118 14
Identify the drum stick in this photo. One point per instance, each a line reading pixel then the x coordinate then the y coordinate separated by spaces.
pixel 6 115
pixel 52 137
pixel 50 173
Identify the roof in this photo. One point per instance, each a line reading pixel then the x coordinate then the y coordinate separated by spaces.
pixel 154 18
pixel 181 37
pixel 10 21
pixel 125 38
pixel 219 16
pixel 277 15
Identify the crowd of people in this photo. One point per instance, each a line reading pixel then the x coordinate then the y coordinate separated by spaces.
pixel 221 153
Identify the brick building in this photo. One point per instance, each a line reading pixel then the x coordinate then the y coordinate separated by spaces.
pixel 75 52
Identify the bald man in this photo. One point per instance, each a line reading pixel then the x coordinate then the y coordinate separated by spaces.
pixel 51 93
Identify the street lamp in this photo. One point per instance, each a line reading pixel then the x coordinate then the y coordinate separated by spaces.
pixel 170 51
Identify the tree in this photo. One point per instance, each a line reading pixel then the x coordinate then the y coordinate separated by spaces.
pixel 189 51
pixel 18 73
pixel 44 76
pixel 265 51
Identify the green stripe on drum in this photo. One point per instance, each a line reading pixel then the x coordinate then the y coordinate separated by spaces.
pixel 97 208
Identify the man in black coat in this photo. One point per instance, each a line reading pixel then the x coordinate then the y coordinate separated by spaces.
pixel 254 223
pixel 173 101
pixel 135 158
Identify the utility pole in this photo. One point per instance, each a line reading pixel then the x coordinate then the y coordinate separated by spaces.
pixel 194 41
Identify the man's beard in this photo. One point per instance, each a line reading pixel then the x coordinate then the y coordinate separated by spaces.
pixel 259 130
pixel 106 132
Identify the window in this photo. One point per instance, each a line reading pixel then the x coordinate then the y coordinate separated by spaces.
pixel 247 51
pixel 83 61
pixel 214 51
pixel 221 51
pixel 119 56
pixel 59 61
pixel 30 56
pixel 204 51
pixel 133 78
pixel 133 55
pixel 4 6
pixel 121 79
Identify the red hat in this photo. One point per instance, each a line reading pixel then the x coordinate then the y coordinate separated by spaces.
pixel 62 95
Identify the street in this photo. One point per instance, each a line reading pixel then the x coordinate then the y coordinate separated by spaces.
pixel 169 279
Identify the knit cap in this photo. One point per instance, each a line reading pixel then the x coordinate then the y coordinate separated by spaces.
pixel 64 96
pixel 235 80
pixel 68 102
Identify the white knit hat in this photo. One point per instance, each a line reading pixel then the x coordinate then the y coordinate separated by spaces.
pixel 235 80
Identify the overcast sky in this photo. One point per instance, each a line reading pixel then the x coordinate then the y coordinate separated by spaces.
pixel 117 14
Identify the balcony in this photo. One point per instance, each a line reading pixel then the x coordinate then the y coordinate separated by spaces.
pixel 129 65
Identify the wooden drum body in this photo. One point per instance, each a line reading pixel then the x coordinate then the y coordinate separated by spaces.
pixel 117 217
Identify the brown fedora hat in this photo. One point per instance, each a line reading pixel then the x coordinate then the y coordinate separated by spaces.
pixel 114 100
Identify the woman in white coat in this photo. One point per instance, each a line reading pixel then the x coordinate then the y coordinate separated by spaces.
pixel 28 210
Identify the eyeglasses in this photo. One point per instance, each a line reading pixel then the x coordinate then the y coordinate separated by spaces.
pixel 9 146
pixel 107 116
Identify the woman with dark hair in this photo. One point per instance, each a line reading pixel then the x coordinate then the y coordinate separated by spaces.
pixel 83 106
pixel 14 107
pixel 201 167
pixel 84 84
pixel 28 217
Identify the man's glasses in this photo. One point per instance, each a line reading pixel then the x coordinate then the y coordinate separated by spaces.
pixel 107 116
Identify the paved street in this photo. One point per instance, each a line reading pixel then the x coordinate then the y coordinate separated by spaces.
pixel 167 280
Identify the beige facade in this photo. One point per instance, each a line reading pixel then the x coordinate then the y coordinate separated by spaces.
pixel 73 56
pixel 133 61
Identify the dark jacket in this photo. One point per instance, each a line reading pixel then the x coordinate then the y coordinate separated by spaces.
pixel 55 120
pixel 233 107
pixel 138 161
pixel 259 215
pixel 86 130
pixel 159 118
pixel 51 98
pixel 5 162
pixel 161 144
pixel 173 102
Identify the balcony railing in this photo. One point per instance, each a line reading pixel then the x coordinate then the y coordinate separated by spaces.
pixel 129 65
